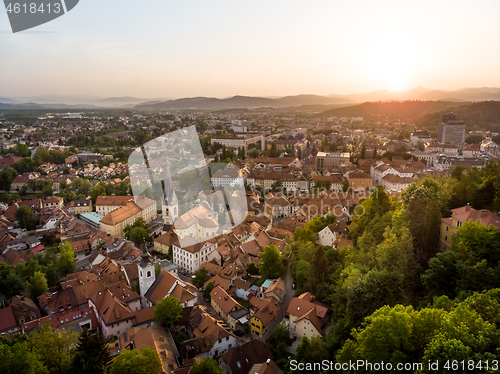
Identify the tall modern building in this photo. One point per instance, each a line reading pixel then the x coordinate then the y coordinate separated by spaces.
pixel 451 130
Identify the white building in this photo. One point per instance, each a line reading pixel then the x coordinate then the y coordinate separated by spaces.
pixel 190 257
pixel 228 177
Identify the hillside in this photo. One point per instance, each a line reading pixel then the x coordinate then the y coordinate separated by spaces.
pixel 484 115
pixel 407 111
pixel 239 102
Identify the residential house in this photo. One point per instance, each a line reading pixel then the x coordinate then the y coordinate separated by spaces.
pixel 8 322
pixel 167 284
pixel 113 315
pixel 82 206
pixel 276 290
pixel 53 201
pixel 210 336
pixel 263 312
pixel 359 180
pixel 24 309
pixel 450 225
pixel 59 302
pixel 241 359
pixel 223 303
pixel 306 317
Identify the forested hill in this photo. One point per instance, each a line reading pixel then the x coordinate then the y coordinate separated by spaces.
pixel 484 115
pixel 407 111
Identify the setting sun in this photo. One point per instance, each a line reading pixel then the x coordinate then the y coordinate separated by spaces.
pixel 390 59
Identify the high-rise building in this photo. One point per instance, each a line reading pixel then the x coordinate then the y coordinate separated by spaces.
pixel 451 130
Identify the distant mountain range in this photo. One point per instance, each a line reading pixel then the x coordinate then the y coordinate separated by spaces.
pixel 95 102
pixel 422 93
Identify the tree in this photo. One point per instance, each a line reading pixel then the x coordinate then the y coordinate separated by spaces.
pixel 200 277
pixel 420 145
pixel 271 266
pixel 6 177
pixel 320 267
pixel 252 269
pixel 208 290
pixel 311 350
pixel 424 203
pixel 133 362
pixel 5 197
pixel 91 355
pixel 17 358
pixel 11 284
pixel 206 366
pixel 47 191
pixel 138 232
pixel 179 338
pixel 37 285
pixel 55 347
pixel 21 150
pixel 167 311
pixel 470 265
pixel 98 190
pixel 472 139
pixel 51 274
pixel 66 260
pixel 254 154
pixel 26 218
pixel 279 342
pixel 394 335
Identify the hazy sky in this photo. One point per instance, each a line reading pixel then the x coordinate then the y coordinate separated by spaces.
pixel 166 48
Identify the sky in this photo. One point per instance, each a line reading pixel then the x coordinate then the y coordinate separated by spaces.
pixel 186 48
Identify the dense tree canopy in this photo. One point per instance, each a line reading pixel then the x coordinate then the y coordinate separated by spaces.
pixel 167 311
pixel 271 267
pixel 25 217
pixel 134 362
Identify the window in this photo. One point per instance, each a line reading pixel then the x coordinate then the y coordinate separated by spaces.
pixel 446 228
pixel 149 273
pixel 446 238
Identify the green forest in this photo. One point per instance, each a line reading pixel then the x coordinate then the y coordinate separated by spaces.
pixel 395 297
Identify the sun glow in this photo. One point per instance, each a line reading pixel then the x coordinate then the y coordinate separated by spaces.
pixel 390 57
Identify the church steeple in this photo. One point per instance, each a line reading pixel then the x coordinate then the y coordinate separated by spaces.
pixel 170 206
pixel 146 267
pixel 145 258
